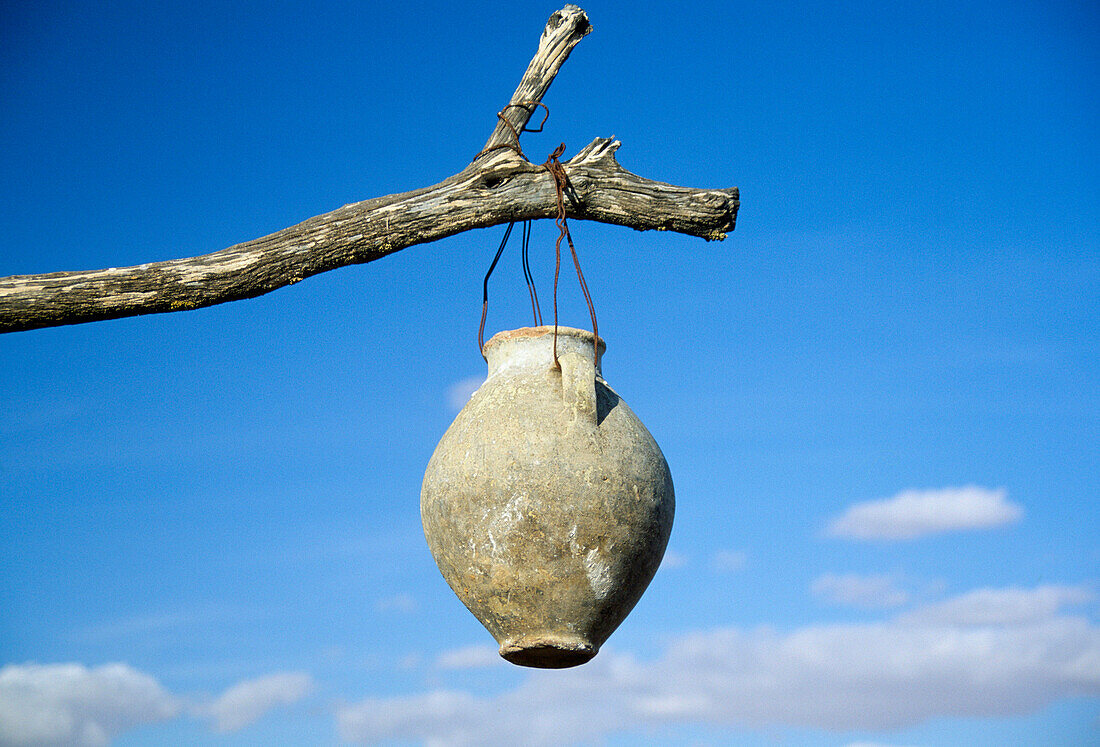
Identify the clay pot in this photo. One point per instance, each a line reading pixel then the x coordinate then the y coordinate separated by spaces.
pixel 547 504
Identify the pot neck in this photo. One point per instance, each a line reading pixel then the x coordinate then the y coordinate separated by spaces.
pixel 533 347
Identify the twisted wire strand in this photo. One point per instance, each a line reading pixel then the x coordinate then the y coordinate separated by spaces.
pixel 561 184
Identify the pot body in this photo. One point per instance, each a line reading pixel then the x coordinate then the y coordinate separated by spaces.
pixel 547 505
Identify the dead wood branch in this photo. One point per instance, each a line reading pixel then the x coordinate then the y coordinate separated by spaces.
pixel 498 187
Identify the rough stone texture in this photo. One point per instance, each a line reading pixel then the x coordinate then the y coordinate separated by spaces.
pixel 547 504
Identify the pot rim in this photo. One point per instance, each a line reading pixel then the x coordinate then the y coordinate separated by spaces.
pixel 546 329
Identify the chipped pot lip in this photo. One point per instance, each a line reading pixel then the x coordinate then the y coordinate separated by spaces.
pixel 544 330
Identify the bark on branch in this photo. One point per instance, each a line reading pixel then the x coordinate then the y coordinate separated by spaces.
pixel 498 187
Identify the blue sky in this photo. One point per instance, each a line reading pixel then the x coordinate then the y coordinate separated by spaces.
pixel 879 397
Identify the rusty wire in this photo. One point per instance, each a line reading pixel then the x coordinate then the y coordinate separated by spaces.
pixel 536 312
pixel 529 107
pixel 485 290
pixel 562 186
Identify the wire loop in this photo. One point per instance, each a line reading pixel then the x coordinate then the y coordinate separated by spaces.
pixel 529 107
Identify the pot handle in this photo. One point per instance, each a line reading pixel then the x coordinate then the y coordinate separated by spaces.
pixel 578 380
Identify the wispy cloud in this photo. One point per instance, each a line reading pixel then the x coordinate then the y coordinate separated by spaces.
pixel 1001 607
pixel 868 592
pixel 403 603
pixel 72 704
pixel 459 393
pixel 728 561
pixel 247 702
pixel 916 513
pixel 673 559
pixel 164 624
pixel 878 676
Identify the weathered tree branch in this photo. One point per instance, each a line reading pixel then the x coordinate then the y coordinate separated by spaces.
pixel 563 31
pixel 498 187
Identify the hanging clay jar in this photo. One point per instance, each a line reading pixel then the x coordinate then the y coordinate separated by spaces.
pixel 547 504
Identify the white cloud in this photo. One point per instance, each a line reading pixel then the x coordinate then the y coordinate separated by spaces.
pixel 459 393
pixel 247 702
pixel 1012 606
pixel 469 657
pixel 439 718
pixel 728 561
pixel 915 513
pixel 673 560
pixel 868 592
pixel 870 677
pixel 72 704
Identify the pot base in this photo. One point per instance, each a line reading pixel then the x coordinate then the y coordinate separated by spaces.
pixel 547 652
